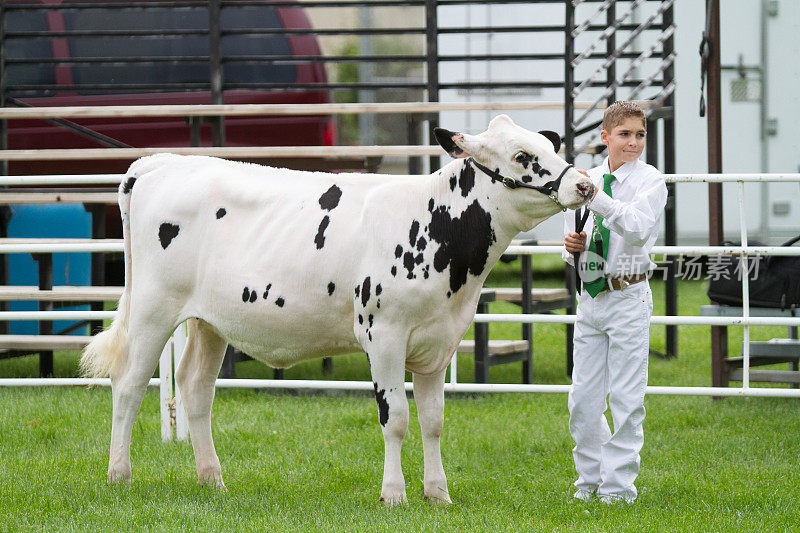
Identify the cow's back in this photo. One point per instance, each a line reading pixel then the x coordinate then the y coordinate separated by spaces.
pixel 267 256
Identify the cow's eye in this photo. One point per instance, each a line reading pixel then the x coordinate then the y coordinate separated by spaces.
pixel 522 157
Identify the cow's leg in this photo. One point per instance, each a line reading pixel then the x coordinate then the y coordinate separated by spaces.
pixel 196 376
pixel 388 376
pixel 146 339
pixel 429 395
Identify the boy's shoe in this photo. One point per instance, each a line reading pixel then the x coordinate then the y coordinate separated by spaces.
pixel 583 495
pixel 614 500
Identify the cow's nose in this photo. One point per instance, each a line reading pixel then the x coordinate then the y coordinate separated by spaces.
pixel 585 189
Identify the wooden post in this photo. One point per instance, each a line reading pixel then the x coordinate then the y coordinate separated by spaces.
pixel 215 67
pixel 45 262
pixel 719 334
pixel 527 308
pixel 670 214
pixel 432 68
pixel 481 347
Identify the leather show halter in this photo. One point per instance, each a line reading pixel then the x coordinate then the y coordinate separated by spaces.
pixel 549 189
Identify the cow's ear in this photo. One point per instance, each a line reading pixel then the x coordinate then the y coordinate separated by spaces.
pixel 553 137
pixel 446 139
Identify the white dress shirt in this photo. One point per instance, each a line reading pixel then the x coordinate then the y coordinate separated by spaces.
pixel 633 213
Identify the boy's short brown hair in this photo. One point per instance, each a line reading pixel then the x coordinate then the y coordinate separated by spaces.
pixel 619 112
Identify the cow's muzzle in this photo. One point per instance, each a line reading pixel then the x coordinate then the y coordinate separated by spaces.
pixel 585 189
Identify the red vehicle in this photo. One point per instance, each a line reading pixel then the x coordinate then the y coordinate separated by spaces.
pixel 153 55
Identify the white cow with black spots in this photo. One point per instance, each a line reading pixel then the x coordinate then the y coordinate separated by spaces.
pixel 289 266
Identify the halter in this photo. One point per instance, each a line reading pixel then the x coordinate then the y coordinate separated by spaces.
pixel 549 189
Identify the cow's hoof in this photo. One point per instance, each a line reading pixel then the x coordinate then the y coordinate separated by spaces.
pixel 438 496
pixel 118 476
pixel 212 479
pixel 393 497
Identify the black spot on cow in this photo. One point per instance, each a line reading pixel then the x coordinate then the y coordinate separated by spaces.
pixel 365 291
pixel 266 291
pixel 253 296
pixel 378 289
pixel 398 251
pixel 453 182
pixel 426 271
pixel 319 240
pixel 280 301
pixel 378 303
pixel 246 294
pixel 330 199
pixel 127 187
pixel 418 259
pixel 412 233
pixel 430 205
pixel 421 244
pixel 383 405
pixel 167 232
pixel 527 179
pixel 394 271
pixel 408 263
pixel 466 180
pixel 358 290
pixel 221 212
pixel 371 318
pixel 542 172
pixel 525 163
pixel 369 335
pixel 360 319
pixel 464 242
pixel 331 288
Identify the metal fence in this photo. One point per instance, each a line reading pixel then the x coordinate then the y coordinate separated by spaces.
pixel 746 321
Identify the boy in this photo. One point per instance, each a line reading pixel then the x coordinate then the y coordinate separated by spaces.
pixel 612 327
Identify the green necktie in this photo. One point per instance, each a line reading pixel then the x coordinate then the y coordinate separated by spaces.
pixel 592 263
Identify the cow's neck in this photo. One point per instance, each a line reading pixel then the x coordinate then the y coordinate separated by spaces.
pixel 512 211
pixel 472 221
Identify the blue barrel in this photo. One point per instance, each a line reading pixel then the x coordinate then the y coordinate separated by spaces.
pixel 48 221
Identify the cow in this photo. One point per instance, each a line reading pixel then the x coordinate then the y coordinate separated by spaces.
pixel 289 265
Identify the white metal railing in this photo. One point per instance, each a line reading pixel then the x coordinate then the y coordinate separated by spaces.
pixel 239 110
pixel 171 408
pixel 746 321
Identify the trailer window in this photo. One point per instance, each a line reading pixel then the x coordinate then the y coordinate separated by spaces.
pixel 169 43
pixel 28 48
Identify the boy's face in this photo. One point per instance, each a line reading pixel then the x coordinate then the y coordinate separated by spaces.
pixel 625 141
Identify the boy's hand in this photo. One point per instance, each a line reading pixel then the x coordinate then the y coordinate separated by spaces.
pixel 575 242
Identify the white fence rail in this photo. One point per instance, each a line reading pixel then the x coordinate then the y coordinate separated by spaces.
pixel 172 413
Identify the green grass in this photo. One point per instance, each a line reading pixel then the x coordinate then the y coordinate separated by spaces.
pixel 314 462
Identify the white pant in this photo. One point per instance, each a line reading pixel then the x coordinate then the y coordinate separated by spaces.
pixel 612 343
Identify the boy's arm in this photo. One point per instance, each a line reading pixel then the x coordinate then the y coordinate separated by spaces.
pixel 574 243
pixel 635 221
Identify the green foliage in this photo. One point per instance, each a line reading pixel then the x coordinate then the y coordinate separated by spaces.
pixel 314 462
pixel 347 125
pixel 386 126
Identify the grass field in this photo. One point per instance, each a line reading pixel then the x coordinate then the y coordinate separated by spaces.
pixel 314 461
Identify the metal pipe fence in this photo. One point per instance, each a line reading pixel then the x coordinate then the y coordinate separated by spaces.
pixel 171 407
pixel 745 251
pixel 210 31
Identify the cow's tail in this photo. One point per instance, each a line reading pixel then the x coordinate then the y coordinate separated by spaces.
pixel 107 350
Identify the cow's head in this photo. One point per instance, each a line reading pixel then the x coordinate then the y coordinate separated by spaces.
pixel 522 160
